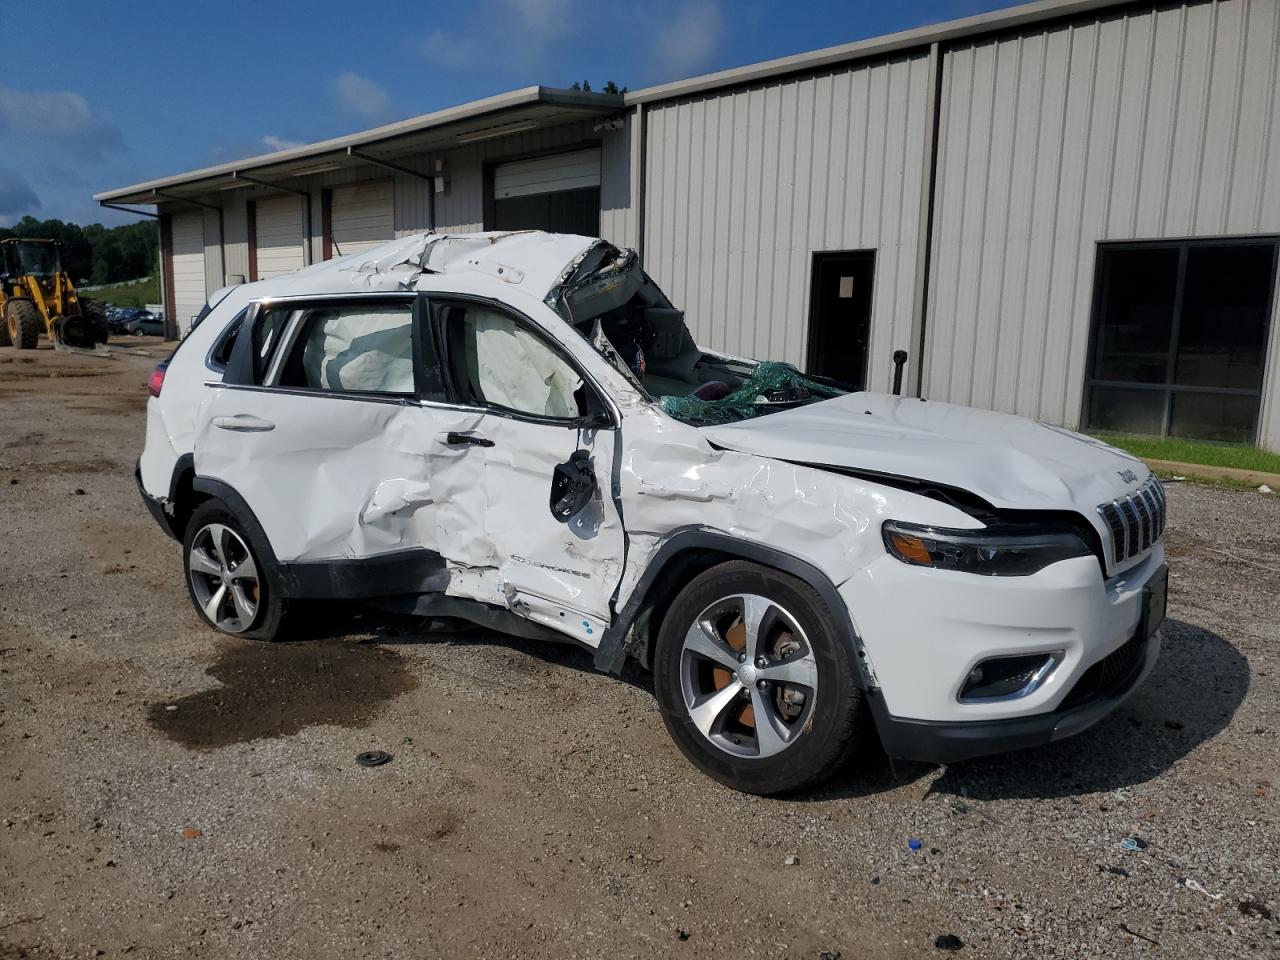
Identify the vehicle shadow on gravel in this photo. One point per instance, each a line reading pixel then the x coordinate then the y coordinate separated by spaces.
pixel 1195 689
pixel 1191 695
pixel 362 624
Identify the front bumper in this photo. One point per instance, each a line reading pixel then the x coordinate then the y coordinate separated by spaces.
pixel 923 631
pixel 1097 693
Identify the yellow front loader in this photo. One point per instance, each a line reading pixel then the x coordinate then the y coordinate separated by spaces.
pixel 35 296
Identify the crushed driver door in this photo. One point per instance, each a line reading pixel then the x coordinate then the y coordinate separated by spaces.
pixel 523 472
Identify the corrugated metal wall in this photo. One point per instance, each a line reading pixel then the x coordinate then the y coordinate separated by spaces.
pixel 1150 124
pixel 460 209
pixel 744 187
pixel 213 268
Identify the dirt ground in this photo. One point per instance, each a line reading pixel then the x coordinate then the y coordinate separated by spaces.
pixel 167 792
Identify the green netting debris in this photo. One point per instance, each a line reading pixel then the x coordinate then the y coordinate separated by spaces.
pixel 770 386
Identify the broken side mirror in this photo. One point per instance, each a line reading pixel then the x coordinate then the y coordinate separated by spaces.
pixel 573 486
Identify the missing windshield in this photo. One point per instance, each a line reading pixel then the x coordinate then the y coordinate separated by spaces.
pixel 615 306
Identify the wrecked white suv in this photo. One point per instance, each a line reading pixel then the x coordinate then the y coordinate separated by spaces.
pixel 518 429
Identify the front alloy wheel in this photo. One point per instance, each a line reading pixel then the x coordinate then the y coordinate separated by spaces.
pixel 756 680
pixel 748 676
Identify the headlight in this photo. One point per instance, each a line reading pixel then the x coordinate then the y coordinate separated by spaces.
pixel 989 551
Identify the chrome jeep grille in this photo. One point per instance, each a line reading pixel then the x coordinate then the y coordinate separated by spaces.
pixel 1136 522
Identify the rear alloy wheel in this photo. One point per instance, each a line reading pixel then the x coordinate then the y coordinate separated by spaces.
pixel 224 578
pixel 232 585
pixel 755 684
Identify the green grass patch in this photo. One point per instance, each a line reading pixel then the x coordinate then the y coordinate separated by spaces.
pixel 1221 483
pixel 1239 455
pixel 136 295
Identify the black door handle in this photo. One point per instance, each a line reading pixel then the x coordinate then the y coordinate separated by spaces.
pixel 457 439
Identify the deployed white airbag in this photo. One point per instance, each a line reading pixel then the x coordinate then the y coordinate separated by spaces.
pixel 368 351
pixel 515 369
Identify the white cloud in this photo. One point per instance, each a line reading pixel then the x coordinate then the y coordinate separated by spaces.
pixel 58 117
pixel 16 197
pixel 542 17
pixel 686 42
pixel 447 51
pixel 361 97
pixel 56 112
pixel 520 34
pixel 272 142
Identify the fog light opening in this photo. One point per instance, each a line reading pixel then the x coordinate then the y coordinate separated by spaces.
pixel 1009 678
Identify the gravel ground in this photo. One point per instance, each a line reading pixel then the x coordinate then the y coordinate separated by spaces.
pixel 168 792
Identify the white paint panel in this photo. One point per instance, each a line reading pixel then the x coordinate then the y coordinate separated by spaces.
pixel 561 171
pixel 363 216
pixel 279 234
pixel 188 266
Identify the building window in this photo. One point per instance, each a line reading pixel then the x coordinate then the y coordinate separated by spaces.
pixel 1180 338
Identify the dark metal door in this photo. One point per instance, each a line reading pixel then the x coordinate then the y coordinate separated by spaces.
pixel 840 315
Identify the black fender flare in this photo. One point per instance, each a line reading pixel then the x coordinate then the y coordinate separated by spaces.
pixel 611 655
pixel 182 466
pixel 228 494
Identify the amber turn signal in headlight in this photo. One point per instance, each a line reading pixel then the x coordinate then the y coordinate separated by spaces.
pixel 989 551
pixel 908 547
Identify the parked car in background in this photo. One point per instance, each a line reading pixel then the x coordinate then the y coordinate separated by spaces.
pixel 520 429
pixel 118 318
pixel 144 323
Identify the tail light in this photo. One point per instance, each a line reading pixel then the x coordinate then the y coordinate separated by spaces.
pixel 156 381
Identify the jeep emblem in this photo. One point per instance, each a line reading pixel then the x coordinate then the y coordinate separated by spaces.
pixel 1128 476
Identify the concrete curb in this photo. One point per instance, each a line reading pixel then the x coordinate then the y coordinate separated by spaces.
pixel 1252 477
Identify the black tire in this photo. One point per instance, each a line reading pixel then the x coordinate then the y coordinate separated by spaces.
pixel 95 315
pixel 23 323
pixel 78 331
pixel 5 339
pixel 828 732
pixel 267 596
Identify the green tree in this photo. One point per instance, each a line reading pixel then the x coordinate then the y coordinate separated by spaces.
pixel 609 87
pixel 94 253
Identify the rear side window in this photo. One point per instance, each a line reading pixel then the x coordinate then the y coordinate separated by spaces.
pixel 352 349
pixel 220 354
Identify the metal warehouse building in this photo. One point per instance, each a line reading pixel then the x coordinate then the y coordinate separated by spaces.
pixel 1068 210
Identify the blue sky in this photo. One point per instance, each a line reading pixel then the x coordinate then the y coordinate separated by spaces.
pixel 137 90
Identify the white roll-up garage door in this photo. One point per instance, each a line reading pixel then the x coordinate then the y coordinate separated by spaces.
pixel 560 193
pixel 278 222
pixel 561 171
pixel 363 216
pixel 188 267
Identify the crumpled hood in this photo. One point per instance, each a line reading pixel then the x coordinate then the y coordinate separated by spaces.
pixel 1009 461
